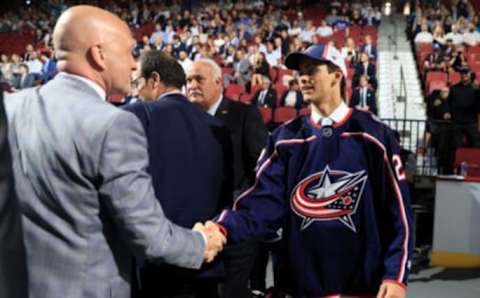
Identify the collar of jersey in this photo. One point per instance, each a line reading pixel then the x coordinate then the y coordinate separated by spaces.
pixel 339 116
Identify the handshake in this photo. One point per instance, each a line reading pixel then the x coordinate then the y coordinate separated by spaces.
pixel 215 239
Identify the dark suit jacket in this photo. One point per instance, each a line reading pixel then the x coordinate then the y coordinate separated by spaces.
pixel 248 134
pixel 28 82
pixel 298 101
pixel 371 73
pixel 269 101
pixel 188 149
pixel 13 272
pixel 371 100
pixel 373 51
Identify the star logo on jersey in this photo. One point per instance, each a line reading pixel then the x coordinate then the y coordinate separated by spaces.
pixel 329 195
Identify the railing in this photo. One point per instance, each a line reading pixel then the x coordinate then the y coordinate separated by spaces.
pixel 411 133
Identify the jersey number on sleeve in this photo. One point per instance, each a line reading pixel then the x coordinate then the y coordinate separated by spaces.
pixel 397 164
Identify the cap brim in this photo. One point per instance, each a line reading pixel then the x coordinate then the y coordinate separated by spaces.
pixel 293 60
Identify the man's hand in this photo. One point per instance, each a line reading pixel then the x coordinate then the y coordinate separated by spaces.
pixel 391 290
pixel 215 239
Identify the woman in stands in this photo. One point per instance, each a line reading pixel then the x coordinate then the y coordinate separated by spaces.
pixel 261 69
pixel 350 51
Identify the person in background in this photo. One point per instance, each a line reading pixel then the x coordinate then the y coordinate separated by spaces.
pixel 292 97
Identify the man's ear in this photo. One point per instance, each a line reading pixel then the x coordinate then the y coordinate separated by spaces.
pixel 155 79
pixel 96 57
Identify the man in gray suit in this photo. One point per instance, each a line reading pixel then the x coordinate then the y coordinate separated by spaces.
pixel 13 273
pixel 242 70
pixel 79 164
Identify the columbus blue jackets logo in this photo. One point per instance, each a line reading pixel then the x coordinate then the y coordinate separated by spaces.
pixel 329 195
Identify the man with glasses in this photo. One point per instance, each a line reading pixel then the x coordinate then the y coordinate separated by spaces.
pixel 187 160
pixel 334 182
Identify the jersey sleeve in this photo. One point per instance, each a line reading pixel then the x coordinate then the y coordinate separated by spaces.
pixel 399 244
pixel 260 209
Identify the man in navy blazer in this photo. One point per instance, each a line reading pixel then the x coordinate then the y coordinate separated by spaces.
pixel 363 97
pixel 365 67
pixel 369 48
pixel 187 150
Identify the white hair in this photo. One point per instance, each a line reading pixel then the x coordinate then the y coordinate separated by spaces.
pixel 216 70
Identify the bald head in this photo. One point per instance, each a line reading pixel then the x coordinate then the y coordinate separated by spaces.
pixel 96 44
pixel 83 26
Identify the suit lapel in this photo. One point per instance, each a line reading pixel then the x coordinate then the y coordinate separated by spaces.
pixel 222 111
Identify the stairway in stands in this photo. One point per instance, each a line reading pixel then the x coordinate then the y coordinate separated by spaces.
pixel 392 100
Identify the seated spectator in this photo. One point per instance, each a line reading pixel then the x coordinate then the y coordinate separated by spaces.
pixel 261 69
pixel 356 18
pixel 292 97
pixel 307 33
pixel 472 37
pixel 363 97
pixel 455 36
pixel 350 51
pixel 341 24
pixel 424 36
pixel 332 17
pixel 273 56
pixel 158 43
pixel 5 68
pixel 265 97
pixel 365 67
pixel 438 36
pixel 435 61
pixel 28 54
pixel 369 48
pixel 184 61
pixel 24 79
pixel 35 66
pixel 49 69
pixel 458 61
pixel 242 70
pixel 324 30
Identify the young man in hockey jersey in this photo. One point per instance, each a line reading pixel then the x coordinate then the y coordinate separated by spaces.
pixel 334 182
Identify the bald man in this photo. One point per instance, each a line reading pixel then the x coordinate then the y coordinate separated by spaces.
pixel 86 200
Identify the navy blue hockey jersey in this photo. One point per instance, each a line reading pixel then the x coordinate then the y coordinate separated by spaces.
pixel 340 196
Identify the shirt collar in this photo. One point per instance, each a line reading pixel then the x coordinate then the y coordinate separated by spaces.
pixel 213 109
pixel 99 90
pixel 337 115
pixel 169 93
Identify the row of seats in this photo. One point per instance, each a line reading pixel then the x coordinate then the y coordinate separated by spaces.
pixel 281 115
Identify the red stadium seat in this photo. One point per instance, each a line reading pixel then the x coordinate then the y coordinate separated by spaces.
pixel 436 76
pixel 234 91
pixel 472 157
pixel 284 72
pixel 255 88
pixel 322 40
pixel 283 114
pixel 473 50
pixel 454 78
pixel 227 70
pixel 435 85
pixel 266 114
pixel 273 74
pixel 246 98
pixel 280 89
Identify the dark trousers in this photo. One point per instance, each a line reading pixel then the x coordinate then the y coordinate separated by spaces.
pixel 238 260
pixel 172 282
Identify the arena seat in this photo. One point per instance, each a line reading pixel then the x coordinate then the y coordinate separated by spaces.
pixel 472 157
pixel 266 114
pixel 284 114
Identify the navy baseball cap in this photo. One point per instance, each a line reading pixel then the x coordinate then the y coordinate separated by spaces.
pixel 320 53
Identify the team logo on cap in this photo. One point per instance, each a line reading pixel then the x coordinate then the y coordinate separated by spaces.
pixel 328 195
